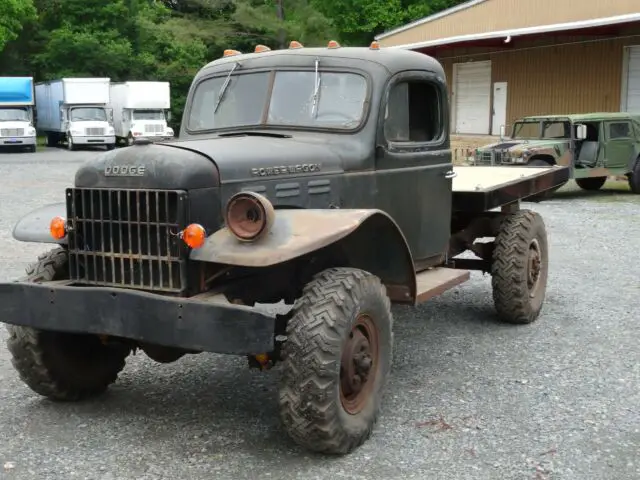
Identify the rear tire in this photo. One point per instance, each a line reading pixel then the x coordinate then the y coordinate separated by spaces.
pixel 519 267
pixel 336 359
pixel 591 183
pixel 62 366
pixel 634 178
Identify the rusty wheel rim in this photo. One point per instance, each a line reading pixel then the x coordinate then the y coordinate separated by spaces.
pixel 534 268
pixel 359 364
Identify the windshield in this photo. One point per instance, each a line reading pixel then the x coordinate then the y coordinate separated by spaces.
pixel 548 129
pixel 14 115
pixel 339 101
pixel 80 114
pixel 148 115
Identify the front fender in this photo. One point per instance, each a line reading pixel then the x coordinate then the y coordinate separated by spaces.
pixel 34 226
pixel 370 239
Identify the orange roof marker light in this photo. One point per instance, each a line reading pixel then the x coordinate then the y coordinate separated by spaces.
pixel 194 235
pixel 374 45
pixel 333 44
pixel 295 44
pixel 58 228
pixel 261 48
pixel 230 53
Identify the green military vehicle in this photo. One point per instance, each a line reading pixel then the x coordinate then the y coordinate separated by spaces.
pixel 594 145
pixel 321 178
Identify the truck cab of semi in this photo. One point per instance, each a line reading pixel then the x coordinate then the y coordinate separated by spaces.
pixel 141 111
pixel 16 113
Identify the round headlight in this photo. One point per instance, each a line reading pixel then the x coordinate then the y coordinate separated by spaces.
pixel 249 215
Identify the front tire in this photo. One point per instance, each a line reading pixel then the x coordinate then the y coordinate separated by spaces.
pixel 70 145
pixel 634 178
pixel 336 360
pixel 519 267
pixel 591 183
pixel 62 366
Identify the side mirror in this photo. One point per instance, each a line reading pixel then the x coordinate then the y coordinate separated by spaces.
pixel 503 131
pixel 581 132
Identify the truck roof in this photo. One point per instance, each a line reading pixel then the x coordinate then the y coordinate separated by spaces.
pixel 392 59
pixel 587 117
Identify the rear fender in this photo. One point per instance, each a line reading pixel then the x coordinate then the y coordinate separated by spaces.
pixel 370 240
pixel 34 226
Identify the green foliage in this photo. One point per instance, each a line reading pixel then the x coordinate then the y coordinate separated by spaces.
pixel 170 40
pixel 13 15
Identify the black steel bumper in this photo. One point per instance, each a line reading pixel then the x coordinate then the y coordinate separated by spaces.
pixel 187 323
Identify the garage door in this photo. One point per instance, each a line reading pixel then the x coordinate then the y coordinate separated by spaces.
pixel 472 97
pixel 633 80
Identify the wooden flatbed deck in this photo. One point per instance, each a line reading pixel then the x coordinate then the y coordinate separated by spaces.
pixel 482 188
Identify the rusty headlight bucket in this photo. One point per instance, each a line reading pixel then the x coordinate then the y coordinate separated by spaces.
pixel 249 216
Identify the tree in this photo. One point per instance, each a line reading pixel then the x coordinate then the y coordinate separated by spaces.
pixel 13 15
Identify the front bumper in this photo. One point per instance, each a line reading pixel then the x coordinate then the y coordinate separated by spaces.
pixel 154 138
pixel 189 323
pixel 17 141
pixel 78 140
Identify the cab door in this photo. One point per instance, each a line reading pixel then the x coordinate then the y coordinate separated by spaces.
pixel 619 146
pixel 414 170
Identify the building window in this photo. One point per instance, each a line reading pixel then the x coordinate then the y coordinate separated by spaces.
pixel 413 113
pixel 619 130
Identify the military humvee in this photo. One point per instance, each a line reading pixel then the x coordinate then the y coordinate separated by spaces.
pixel 317 177
pixel 594 145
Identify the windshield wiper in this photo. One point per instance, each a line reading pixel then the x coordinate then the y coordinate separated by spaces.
pixel 223 89
pixel 316 91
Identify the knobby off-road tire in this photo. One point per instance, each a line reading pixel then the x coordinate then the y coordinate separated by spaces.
pixel 319 405
pixel 634 178
pixel 591 183
pixel 519 267
pixel 62 366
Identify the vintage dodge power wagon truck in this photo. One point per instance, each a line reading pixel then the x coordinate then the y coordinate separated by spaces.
pixel 317 177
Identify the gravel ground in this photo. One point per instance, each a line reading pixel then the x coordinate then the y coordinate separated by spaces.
pixel 469 398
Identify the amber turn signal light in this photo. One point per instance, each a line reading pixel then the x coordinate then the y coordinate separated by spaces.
pixel 262 48
pixel 295 44
pixel 194 235
pixel 58 228
pixel 229 52
pixel 333 44
pixel 374 45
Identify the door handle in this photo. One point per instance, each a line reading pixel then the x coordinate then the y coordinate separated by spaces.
pixel 450 174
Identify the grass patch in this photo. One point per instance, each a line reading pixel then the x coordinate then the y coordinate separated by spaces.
pixel 613 191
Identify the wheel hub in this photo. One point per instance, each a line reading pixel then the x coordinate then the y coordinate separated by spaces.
pixel 534 267
pixel 358 365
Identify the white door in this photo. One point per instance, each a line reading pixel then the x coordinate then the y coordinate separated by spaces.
pixel 499 107
pixel 473 97
pixel 633 80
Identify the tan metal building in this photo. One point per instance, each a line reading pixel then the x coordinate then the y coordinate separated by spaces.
pixel 509 58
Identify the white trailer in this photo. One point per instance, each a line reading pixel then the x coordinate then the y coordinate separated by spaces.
pixel 141 110
pixel 16 113
pixel 76 110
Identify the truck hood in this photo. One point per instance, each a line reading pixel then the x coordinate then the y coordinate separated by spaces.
pixel 520 146
pixel 15 124
pixel 246 158
pixel 207 163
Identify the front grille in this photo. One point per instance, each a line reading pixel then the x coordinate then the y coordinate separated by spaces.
pixel 12 132
pixel 491 157
pixel 94 132
pixel 127 238
pixel 153 128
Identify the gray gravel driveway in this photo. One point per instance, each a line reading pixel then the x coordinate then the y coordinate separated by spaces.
pixel 469 398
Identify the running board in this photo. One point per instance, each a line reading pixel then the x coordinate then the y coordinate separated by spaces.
pixel 433 282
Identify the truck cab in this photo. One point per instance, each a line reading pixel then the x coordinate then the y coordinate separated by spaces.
pixel 141 111
pixel 16 113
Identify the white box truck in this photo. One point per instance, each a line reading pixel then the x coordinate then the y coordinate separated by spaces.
pixel 16 113
pixel 76 110
pixel 141 110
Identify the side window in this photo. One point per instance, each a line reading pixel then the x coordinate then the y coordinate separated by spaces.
pixel 619 130
pixel 413 112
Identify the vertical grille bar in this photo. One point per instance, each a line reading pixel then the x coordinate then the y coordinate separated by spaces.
pixel 111 239
pixel 167 231
pixel 148 219
pixel 158 227
pixel 120 227
pixel 94 239
pixel 139 236
pixel 83 222
pixel 129 227
pixel 102 237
